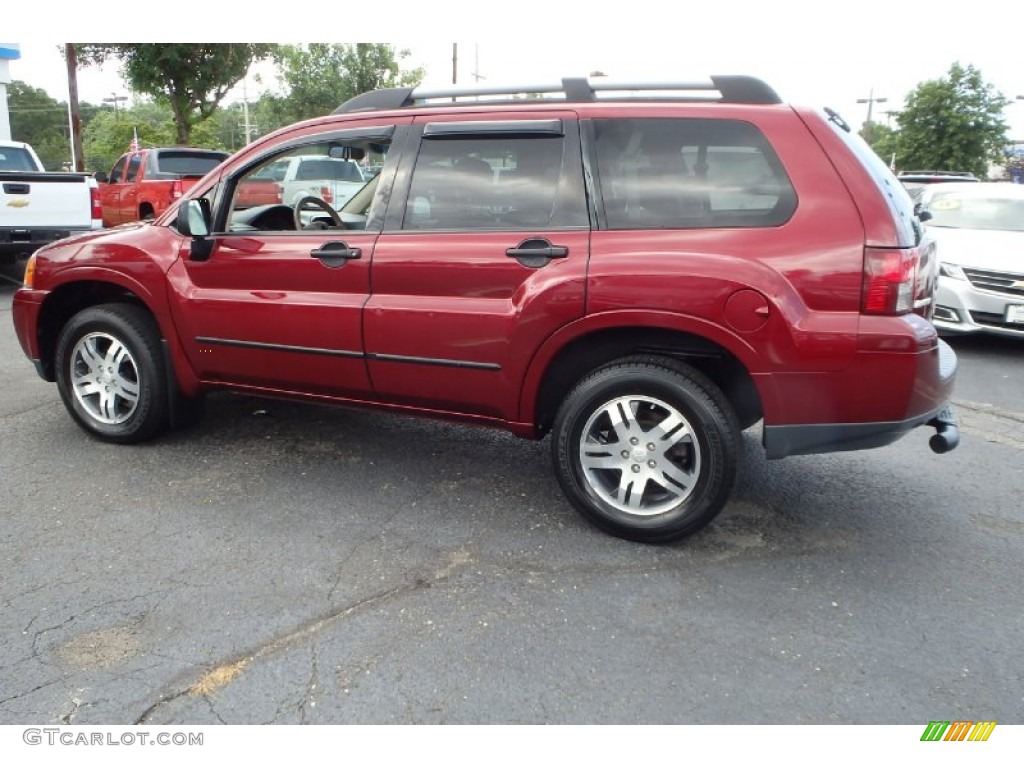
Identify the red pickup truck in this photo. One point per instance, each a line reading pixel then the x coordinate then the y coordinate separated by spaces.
pixel 142 184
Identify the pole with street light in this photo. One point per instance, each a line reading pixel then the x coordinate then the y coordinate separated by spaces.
pixel 868 132
pixel 115 100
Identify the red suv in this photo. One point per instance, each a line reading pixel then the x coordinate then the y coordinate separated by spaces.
pixel 641 277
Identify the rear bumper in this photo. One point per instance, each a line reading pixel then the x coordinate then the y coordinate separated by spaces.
pixel 933 390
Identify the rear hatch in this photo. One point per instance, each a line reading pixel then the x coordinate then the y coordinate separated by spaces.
pixel 900 263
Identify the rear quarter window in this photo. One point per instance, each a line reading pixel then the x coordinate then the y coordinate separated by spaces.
pixel 682 173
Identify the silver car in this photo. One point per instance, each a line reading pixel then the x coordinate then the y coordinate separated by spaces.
pixel 979 231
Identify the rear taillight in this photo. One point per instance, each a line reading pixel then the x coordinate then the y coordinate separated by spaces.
pixel 176 190
pixel 327 194
pixel 889 280
pixel 94 200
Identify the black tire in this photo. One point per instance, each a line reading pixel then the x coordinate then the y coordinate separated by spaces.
pixel 110 373
pixel 666 468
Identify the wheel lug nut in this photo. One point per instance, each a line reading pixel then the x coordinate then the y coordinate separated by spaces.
pixel 625 454
pixel 652 464
pixel 636 467
pixel 650 446
pixel 634 441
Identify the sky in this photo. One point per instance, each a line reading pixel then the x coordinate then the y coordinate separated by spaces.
pixel 812 53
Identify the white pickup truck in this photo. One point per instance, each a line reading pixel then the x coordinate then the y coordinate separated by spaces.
pixel 333 180
pixel 37 207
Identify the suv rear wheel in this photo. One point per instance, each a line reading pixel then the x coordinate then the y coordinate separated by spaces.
pixel 646 449
pixel 110 373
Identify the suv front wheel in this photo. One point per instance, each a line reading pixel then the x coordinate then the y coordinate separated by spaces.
pixel 110 373
pixel 646 449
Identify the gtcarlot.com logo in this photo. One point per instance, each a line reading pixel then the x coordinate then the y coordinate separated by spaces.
pixel 77 738
pixel 958 730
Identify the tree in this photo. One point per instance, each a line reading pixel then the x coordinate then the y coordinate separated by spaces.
pixel 39 120
pixel 882 139
pixel 109 134
pixel 952 124
pixel 318 77
pixel 191 78
pixel 42 121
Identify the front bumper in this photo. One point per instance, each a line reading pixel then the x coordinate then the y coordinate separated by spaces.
pixel 961 306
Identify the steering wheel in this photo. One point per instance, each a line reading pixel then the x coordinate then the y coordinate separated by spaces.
pixel 302 202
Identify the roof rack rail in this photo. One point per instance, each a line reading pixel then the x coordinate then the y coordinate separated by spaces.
pixel 734 89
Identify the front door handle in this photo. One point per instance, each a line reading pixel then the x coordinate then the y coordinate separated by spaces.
pixel 336 254
pixel 536 252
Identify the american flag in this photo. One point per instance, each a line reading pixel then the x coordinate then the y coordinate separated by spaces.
pixel 134 146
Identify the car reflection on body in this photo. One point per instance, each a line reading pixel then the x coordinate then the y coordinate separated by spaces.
pixel 979 230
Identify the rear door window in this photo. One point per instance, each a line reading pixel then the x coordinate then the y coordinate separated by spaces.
pixel 499 182
pixel 683 173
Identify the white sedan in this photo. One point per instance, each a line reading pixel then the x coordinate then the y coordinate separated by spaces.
pixel 979 231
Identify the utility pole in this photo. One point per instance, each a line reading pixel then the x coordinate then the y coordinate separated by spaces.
pixel 476 63
pixel 76 120
pixel 455 63
pixel 245 108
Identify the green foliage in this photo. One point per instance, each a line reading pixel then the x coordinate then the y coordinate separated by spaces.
pixel 190 78
pixel 109 134
pixel 952 124
pixel 318 77
pixel 42 121
pixel 882 139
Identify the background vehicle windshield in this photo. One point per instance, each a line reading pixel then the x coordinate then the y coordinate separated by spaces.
pixel 955 209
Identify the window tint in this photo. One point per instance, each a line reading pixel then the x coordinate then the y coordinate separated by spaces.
pixel 189 163
pixel 487 183
pixel 117 170
pixel 686 173
pixel 133 168
pixel 16 159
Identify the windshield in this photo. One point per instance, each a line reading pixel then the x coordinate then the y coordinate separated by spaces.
pixel 965 211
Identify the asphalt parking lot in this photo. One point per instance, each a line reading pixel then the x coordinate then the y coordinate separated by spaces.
pixel 281 563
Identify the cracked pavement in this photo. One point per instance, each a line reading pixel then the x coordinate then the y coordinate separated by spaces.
pixel 281 563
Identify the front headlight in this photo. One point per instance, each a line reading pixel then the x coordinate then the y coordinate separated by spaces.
pixel 951 270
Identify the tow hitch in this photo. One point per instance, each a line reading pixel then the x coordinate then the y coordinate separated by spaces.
pixel 947 436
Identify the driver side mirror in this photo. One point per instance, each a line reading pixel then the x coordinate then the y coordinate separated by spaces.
pixel 922 213
pixel 194 220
